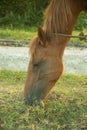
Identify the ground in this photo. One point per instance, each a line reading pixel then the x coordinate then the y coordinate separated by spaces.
pixel 66 105
pixel 17 58
pixel 65 108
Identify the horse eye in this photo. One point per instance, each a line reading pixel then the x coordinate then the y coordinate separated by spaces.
pixel 36 64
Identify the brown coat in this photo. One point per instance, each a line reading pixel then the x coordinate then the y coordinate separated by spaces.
pixel 45 66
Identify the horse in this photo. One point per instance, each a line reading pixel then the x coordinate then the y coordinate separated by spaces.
pixel 47 49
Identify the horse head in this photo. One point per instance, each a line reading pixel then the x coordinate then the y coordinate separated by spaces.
pixel 45 67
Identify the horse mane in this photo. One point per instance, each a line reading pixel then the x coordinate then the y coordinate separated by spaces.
pixel 58 16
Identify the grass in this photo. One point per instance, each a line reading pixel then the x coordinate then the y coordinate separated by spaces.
pixel 28 33
pixel 77 42
pixel 65 108
pixel 17 33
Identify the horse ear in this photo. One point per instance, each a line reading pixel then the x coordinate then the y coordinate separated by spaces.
pixel 42 36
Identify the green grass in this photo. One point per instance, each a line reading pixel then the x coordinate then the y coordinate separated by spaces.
pixel 77 42
pixel 28 33
pixel 65 108
pixel 17 33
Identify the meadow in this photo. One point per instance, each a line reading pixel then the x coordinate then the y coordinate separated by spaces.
pixel 65 107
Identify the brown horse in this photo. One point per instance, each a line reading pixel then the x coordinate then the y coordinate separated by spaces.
pixel 47 49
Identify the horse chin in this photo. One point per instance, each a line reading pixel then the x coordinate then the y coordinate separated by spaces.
pixel 33 98
pixel 34 102
pixel 35 94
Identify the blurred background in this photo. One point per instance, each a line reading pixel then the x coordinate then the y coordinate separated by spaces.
pixel 27 13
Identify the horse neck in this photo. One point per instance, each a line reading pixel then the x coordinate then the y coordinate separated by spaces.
pixel 58 23
pixel 62 27
pixel 61 16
